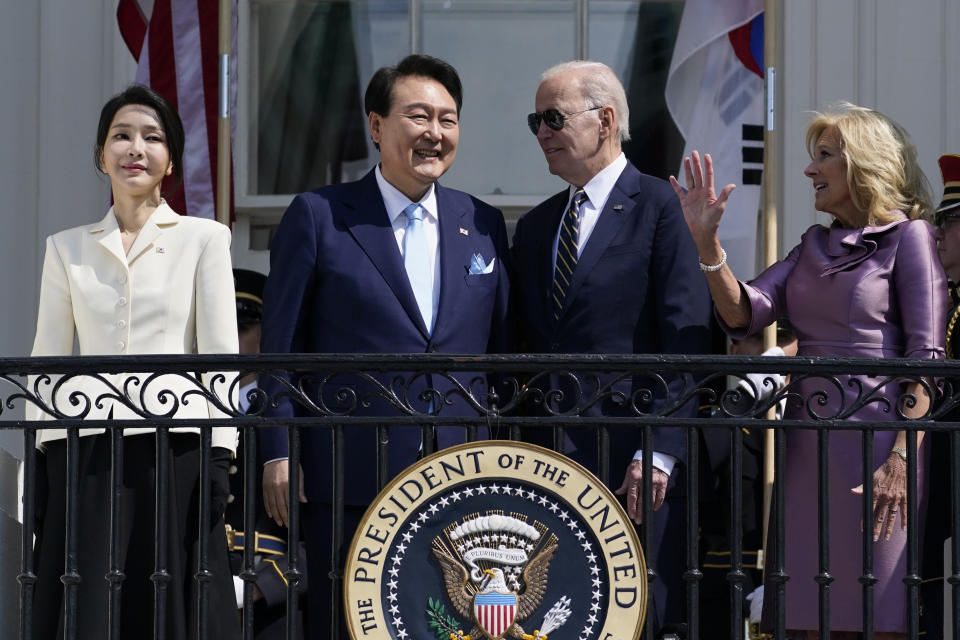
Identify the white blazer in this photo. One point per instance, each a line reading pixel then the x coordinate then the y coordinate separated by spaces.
pixel 173 290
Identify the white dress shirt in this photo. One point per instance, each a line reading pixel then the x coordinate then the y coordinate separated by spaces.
pixel 598 190
pixel 395 202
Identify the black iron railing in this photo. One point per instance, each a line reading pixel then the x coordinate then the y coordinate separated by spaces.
pixel 600 393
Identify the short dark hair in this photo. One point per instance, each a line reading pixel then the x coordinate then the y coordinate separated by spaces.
pixel 379 96
pixel 169 121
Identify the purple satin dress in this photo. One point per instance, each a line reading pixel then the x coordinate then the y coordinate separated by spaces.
pixel 874 292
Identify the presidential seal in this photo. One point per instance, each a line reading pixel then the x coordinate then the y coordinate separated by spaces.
pixel 494 540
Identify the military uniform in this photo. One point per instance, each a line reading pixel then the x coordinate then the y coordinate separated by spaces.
pixel 938 518
pixel 270 539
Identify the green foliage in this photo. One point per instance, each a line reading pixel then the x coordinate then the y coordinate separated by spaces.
pixel 443 625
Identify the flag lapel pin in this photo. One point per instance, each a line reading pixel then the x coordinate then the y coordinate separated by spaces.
pixel 464 231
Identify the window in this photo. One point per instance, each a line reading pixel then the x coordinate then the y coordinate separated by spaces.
pixel 307 62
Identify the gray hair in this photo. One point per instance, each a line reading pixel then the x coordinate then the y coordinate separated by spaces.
pixel 599 87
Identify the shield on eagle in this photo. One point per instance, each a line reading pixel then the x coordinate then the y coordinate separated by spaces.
pixel 495 612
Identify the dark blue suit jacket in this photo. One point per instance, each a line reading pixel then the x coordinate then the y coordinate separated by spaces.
pixel 636 289
pixel 337 284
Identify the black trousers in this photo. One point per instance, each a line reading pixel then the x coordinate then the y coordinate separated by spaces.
pixel 323 564
pixel 136 542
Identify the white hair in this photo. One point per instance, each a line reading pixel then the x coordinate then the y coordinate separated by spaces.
pixel 599 87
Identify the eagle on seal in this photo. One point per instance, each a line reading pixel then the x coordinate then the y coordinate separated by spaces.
pixel 462 592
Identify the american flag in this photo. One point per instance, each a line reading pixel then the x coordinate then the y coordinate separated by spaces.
pixel 175 45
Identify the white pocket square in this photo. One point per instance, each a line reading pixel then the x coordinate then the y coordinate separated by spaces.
pixel 478 266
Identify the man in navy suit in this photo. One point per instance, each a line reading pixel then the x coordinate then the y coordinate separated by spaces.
pixel 607 266
pixel 392 263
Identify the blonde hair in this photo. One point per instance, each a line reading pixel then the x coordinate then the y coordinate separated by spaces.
pixel 882 169
pixel 599 87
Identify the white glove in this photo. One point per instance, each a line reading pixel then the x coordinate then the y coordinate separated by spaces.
pixel 238 590
pixel 755 598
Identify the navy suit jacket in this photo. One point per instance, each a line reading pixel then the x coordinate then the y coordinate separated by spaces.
pixel 337 284
pixel 636 288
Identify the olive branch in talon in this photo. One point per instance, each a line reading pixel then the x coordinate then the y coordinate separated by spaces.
pixel 445 626
pixel 554 619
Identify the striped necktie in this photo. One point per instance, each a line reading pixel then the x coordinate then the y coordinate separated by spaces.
pixel 568 248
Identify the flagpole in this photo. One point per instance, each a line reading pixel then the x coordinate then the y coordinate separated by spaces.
pixel 223 120
pixel 771 174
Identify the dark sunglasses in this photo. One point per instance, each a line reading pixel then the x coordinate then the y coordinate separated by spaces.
pixel 941 218
pixel 552 118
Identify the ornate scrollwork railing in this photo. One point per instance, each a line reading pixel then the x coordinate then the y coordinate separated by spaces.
pixel 424 389
pixel 560 391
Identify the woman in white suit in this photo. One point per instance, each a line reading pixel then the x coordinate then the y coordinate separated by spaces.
pixel 143 280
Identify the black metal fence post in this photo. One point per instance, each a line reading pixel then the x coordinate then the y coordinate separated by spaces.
pixel 954 578
pixel 293 574
pixel 250 489
pixel 71 577
pixel 115 577
pixel 868 579
pixel 161 575
pixel 203 568
pixel 646 529
pixel 736 576
pixel 823 529
pixel 27 577
pixel 779 575
pixel 912 579
pixel 693 575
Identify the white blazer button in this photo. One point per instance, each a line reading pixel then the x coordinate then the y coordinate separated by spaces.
pixel 121 345
pixel 123 279
pixel 121 323
pixel 122 301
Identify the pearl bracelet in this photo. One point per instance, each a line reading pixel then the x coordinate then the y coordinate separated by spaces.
pixel 715 267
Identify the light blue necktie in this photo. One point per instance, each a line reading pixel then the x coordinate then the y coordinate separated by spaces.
pixel 416 260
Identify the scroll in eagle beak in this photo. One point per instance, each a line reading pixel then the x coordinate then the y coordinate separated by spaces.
pixel 488 575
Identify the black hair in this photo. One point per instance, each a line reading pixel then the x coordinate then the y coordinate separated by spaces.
pixel 169 122
pixel 379 95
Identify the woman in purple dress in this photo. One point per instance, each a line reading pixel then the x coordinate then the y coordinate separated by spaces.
pixel 870 285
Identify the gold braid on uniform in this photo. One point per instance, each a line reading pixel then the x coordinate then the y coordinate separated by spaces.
pixel 952 322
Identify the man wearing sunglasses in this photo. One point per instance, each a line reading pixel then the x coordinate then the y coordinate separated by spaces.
pixel 607 266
